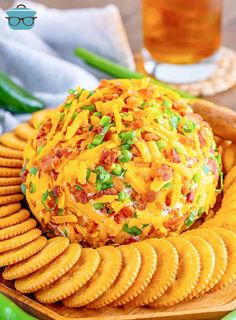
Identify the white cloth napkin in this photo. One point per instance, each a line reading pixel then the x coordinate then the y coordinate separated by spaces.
pixel 42 59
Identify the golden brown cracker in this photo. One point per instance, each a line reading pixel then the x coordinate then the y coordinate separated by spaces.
pixel 17 229
pixel 73 280
pixel 229 157
pixel 6 190
pixel 6 152
pixel 19 254
pixel 12 198
pixel 10 140
pixel 39 117
pixel 131 262
pixel 103 278
pixel 53 249
pixel 221 255
pixel 229 238
pixel 12 181
pixel 207 257
pixel 164 275
pixel 51 272
pixel 229 178
pixel 14 218
pixel 11 163
pixel 9 209
pixel 222 220
pixel 9 172
pixel 24 131
pixel 146 272
pixel 187 275
pixel 16 242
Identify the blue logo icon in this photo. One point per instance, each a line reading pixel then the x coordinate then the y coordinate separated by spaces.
pixel 21 18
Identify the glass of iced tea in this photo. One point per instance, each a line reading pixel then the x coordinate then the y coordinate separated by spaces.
pixel 179 36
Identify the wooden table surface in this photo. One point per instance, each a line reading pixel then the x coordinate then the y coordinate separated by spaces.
pixel 130 12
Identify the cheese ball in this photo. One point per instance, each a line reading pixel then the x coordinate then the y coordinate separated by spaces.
pixel 127 161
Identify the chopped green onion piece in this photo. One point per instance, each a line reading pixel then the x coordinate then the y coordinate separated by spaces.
pixel 97 140
pixel 104 121
pixel 97 114
pixel 123 196
pixel 32 187
pixel 174 121
pixel 189 126
pixel 206 169
pixel 60 212
pixel 89 171
pixel 142 105
pixel 90 93
pixel 118 170
pixel 77 187
pixel 66 233
pixel 62 115
pixel 160 144
pixel 190 220
pixel 104 179
pixel 125 156
pixel 45 196
pixel 168 112
pixel 134 231
pixel 125 147
pixel 33 171
pixel 127 136
pixel 74 115
pixel 197 177
pixel 167 186
pixel 200 211
pixel 167 103
pixel 71 91
pixel 40 149
pixel 67 105
pixel 23 188
pixel 98 205
pixel 90 108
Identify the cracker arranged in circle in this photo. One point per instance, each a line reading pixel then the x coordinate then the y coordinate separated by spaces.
pixel 16 242
pixel 164 275
pixel 10 140
pixel 73 280
pixel 229 238
pixel 6 152
pixel 10 163
pixel 103 278
pixel 24 131
pixel 53 249
pixel 207 257
pixel 187 275
pixel 9 172
pixel 221 255
pixel 14 218
pixel 221 220
pixel 229 157
pixel 23 252
pixel 229 178
pixel 51 272
pixel 17 229
pixel 6 190
pixel 11 181
pixel 146 272
pixel 39 116
pixel 131 262
pixel 9 209
pixel 11 198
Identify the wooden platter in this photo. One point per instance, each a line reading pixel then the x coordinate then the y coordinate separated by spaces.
pixel 210 306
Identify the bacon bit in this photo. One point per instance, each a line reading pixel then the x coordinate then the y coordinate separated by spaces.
pixel 168 199
pixel 98 130
pixel 126 212
pixel 54 174
pixel 175 156
pixel 118 218
pixel 149 136
pixel 172 224
pixel 190 197
pixel 150 196
pixel 57 191
pixel 130 240
pixel 108 157
pixel 108 136
pixel 46 163
pixel 163 171
pixel 51 203
pixel 80 196
pixel 24 175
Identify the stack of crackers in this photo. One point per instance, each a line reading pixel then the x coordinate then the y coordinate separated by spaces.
pixel 155 272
